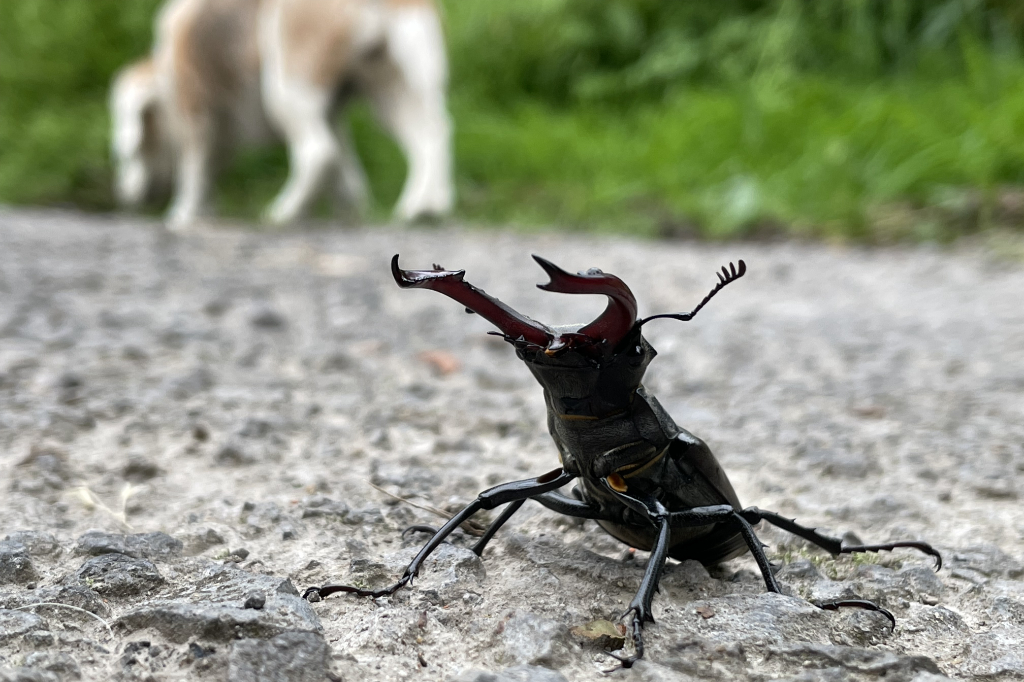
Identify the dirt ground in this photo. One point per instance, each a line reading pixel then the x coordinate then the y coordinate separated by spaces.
pixel 261 397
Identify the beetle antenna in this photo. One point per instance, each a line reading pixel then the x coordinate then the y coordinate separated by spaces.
pixel 726 276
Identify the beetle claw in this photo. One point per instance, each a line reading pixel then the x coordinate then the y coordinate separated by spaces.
pixel 859 604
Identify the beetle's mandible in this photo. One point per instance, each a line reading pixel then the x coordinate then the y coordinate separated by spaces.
pixel 645 480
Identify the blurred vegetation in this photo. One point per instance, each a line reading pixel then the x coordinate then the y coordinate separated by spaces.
pixel 867 119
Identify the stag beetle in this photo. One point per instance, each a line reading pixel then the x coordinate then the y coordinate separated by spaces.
pixel 643 479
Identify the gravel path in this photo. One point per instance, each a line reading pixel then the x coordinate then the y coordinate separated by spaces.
pixel 195 427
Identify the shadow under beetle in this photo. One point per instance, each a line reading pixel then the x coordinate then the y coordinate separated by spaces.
pixel 644 480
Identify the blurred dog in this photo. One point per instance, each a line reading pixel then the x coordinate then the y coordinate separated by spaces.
pixel 225 72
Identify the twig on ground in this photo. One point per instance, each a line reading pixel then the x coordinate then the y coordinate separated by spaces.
pixel 470 526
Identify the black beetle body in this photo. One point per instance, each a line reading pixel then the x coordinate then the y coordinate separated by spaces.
pixel 605 423
pixel 646 481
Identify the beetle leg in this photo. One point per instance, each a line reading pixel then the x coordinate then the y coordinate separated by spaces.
pixel 488 499
pixel 553 501
pixel 860 604
pixel 570 507
pixel 640 607
pixel 511 509
pixel 835 545
pixel 418 528
pixel 724 513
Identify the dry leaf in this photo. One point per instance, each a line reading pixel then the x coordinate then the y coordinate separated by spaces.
pixel 603 633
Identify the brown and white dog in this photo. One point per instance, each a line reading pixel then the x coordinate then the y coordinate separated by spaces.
pixel 225 72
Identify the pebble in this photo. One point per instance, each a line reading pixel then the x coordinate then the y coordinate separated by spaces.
pixel 39 638
pixel 198 540
pixel 119 575
pixel 17 623
pixel 141 545
pixel 317 506
pixel 255 600
pixel 179 622
pixel 290 656
pixel 38 543
pixel 15 564
pixel 59 663
pixel 267 318
pixel 23 674
pixel 875 662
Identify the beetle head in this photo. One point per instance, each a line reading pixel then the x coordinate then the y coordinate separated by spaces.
pixel 594 341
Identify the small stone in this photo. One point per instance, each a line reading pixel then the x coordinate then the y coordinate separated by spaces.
pixel 118 575
pixel 190 384
pixel 38 543
pixel 57 662
pixel 800 568
pixel 46 469
pixel 217 306
pixel 879 663
pixel 39 638
pixel 141 546
pixel 21 674
pixel 319 505
pixel 291 656
pixel 16 623
pixel 255 600
pixel 233 453
pixel 198 540
pixel 80 596
pixel 197 652
pixel 201 432
pixel 256 427
pixel 139 469
pixel 996 653
pixel 338 361
pixel 267 318
pixel 15 564
pixel 986 560
pixel 182 622
pixel 241 553
pixel 263 517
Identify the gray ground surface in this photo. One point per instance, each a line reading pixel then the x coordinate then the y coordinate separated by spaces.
pixel 240 391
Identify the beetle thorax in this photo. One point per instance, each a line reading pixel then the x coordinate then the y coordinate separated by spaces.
pixel 578 384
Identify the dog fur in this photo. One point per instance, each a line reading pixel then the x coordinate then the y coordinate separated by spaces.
pixel 230 72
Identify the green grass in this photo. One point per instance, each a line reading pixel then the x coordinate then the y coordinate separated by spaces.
pixel 812 156
pixel 857 119
pixel 819 156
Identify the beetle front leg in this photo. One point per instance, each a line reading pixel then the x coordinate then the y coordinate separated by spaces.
pixel 640 607
pixel 511 509
pixel 553 501
pixel 489 499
